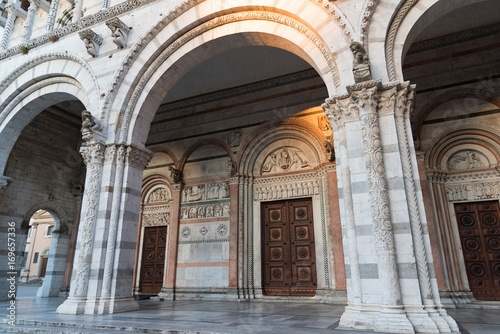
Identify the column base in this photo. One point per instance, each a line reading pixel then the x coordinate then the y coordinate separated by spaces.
pixel 167 294
pixel 117 305
pixel 376 318
pixel 72 305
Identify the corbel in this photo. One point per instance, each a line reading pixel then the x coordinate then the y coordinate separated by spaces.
pixel 92 41
pixel 119 31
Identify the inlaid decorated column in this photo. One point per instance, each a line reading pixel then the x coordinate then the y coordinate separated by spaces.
pixel 29 21
pixel 391 287
pixel 51 20
pixel 11 17
pixel 93 156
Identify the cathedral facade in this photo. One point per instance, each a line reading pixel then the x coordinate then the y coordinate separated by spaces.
pixel 336 152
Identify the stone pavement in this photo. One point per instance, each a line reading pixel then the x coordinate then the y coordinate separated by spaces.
pixel 37 315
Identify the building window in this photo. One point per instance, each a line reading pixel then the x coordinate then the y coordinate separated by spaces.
pixel 26 259
pixel 35 258
pixel 49 230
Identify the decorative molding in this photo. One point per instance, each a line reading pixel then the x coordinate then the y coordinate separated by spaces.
pixel 203 241
pixel 222 230
pixel 286 190
pixel 86 22
pixel 340 19
pixel 209 25
pixel 391 35
pixel 119 31
pixel 92 41
pixel 45 58
pixel 156 219
pixel 473 191
pixel 368 10
pixel 454 39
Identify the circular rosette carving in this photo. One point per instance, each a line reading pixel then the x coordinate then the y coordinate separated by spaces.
pixel 470 231
pixel 276 273
pixel 186 232
pixel 301 213
pixel 477 270
pixel 303 252
pixel 159 273
pixel 467 220
pixel 472 244
pixel 496 269
pixel 222 230
pixel 162 239
pixel 494 244
pixel 301 232
pixel 275 215
pixel 161 255
pixel 150 256
pixel 304 273
pixel 151 240
pixel 276 253
pixel 487 207
pixel 474 257
pixel 275 234
pixel 492 231
pixel 490 219
pixel 148 273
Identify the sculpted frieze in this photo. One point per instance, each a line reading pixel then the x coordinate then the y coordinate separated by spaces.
pixel 474 191
pixel 156 219
pixel 205 211
pixel 284 191
pixel 202 192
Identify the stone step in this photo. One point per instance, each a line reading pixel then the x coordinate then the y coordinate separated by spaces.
pixel 44 327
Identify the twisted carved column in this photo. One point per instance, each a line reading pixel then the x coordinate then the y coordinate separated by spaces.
pixel 11 17
pixel 77 11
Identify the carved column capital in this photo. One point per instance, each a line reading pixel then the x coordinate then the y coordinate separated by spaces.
pixel 93 153
pixel 92 41
pixel 137 157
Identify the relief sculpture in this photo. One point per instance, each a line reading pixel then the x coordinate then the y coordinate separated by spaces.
pixel 285 159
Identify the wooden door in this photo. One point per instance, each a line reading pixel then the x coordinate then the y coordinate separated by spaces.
pixel 288 263
pixel 479 228
pixel 153 259
pixel 44 266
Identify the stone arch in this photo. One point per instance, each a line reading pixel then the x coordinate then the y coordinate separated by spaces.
pixel 170 154
pixel 54 276
pixel 25 93
pixel 466 93
pixel 445 146
pixel 278 29
pixel 407 22
pixel 398 23
pixel 199 144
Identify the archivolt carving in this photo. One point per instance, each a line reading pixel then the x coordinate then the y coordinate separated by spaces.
pixel 340 19
pixel 216 22
pixel 389 43
pixel 33 88
pixel 42 59
pixel 368 10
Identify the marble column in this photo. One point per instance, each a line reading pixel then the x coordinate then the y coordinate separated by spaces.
pixel 77 11
pixel 51 20
pixel 391 287
pixel 30 21
pixel 11 17
pixel 93 157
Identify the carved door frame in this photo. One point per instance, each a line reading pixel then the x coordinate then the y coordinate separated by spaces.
pixel 322 232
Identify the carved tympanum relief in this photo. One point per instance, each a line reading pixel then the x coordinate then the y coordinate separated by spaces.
pixel 284 159
pixel 468 159
pixel 159 195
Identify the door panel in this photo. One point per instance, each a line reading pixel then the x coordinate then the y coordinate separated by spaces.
pixel 288 248
pixel 479 229
pixel 153 259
